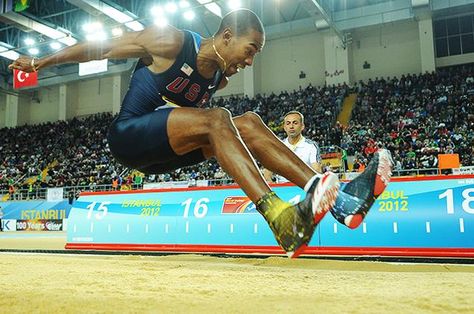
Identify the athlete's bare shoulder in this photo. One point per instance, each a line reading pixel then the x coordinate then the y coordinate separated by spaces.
pixel 162 42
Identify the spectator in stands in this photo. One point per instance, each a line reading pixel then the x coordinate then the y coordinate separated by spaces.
pixel 427 112
pixel 359 164
pixel 138 181
pixel 306 150
pixel 12 190
pixel 115 185
pixel 27 151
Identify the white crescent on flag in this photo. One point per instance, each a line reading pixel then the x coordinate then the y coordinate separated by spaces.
pixel 19 76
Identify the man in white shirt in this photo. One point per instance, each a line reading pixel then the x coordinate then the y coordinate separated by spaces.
pixel 306 149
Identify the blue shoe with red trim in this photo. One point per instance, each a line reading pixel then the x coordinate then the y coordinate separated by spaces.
pixel 357 197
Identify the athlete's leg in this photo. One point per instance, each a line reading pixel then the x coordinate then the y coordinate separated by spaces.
pixel 214 132
pixel 355 199
pixel 270 151
pixel 190 129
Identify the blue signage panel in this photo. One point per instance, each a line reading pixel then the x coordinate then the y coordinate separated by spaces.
pixel 430 214
pixel 34 210
pixel 409 214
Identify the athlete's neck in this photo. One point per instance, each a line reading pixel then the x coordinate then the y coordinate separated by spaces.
pixel 221 59
pixel 207 61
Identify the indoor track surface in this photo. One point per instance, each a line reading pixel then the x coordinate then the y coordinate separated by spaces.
pixel 68 283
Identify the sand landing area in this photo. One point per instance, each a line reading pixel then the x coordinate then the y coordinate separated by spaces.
pixel 188 283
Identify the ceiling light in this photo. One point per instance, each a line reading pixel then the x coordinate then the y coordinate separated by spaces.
pixel 135 25
pixel 57 33
pixel 189 15
pixel 29 41
pixel 161 22
pixel 183 4
pixel 101 36
pixel 156 10
pixel 171 7
pixel 91 27
pixel 33 51
pixel 212 7
pixel 8 53
pixel 55 45
pixel 12 55
pixel 97 36
pixel 234 4
pixel 122 17
pixel 67 40
pixel 118 14
pixel 117 32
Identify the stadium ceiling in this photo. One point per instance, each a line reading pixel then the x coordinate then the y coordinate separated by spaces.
pixel 51 24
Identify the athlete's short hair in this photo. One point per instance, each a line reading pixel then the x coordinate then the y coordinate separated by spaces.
pixel 241 21
pixel 295 112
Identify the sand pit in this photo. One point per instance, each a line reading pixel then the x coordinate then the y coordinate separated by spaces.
pixel 193 283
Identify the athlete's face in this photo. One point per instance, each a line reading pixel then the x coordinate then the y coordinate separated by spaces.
pixel 293 125
pixel 242 50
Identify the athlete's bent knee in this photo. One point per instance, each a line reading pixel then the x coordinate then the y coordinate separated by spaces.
pixel 219 118
pixel 248 123
pixel 252 118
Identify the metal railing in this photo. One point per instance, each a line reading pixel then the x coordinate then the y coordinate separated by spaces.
pixel 73 191
pixel 420 172
pixel 68 191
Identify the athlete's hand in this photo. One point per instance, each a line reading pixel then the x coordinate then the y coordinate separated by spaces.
pixel 24 64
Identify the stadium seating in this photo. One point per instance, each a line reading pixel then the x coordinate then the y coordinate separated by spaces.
pixel 415 116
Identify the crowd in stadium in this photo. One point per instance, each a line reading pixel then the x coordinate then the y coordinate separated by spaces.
pixel 415 116
pixel 320 106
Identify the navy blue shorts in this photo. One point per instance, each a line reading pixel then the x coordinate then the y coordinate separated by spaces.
pixel 141 142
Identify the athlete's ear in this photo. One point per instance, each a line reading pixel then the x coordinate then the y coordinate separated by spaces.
pixel 227 35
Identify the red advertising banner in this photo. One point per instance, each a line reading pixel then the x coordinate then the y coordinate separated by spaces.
pixel 238 205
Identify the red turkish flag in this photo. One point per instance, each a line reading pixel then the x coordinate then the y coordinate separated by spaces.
pixel 23 79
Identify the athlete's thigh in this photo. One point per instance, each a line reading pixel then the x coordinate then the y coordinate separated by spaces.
pixel 189 129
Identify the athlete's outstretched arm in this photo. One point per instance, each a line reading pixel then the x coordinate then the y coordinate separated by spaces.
pixel 151 42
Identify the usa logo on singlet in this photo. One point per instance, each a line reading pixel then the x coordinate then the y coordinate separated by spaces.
pixel 179 84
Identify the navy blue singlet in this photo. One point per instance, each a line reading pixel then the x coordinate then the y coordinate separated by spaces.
pixel 138 137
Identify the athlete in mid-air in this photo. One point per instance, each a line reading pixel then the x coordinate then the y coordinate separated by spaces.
pixel 163 125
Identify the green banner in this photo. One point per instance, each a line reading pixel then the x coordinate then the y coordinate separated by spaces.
pixel 21 5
